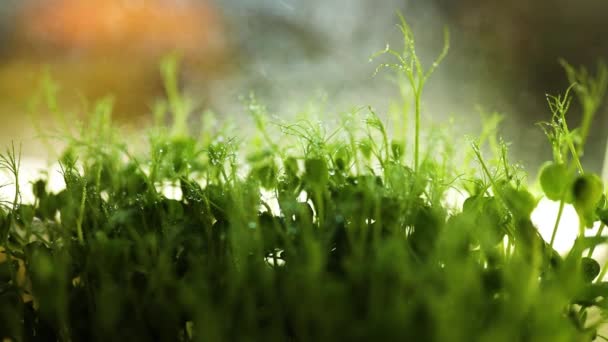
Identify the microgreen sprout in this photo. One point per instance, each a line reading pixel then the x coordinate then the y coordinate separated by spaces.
pixel 319 233
pixel 410 65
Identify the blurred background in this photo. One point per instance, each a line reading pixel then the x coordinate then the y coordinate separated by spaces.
pixel 503 57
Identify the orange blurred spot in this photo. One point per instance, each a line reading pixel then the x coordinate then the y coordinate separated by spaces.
pixel 100 47
pixel 150 27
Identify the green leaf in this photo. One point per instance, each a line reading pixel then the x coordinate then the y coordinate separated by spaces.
pixel 602 214
pixel 342 157
pixel 520 201
pixel 266 174
pixel 291 167
pixel 488 217
pixel 365 146
pixel 317 173
pixel 587 191
pixel 397 149
pixel 589 269
pixel 25 214
pixel 555 179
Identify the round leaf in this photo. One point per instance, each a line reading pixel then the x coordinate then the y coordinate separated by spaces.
pixel 554 180
pixel 587 191
pixel 589 269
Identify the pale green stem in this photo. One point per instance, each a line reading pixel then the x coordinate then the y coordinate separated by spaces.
pixel 599 234
pixel 556 226
pixel 602 274
pixel 417 133
pixel 81 214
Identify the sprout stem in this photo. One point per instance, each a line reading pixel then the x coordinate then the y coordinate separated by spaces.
pixel 599 234
pixel 556 226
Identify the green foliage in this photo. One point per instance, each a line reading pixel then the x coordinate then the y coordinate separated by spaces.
pixel 359 245
pixel 409 66
pixel 587 191
pixel 555 180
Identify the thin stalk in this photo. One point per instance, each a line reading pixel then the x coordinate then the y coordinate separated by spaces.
pixel 602 337
pixel 81 214
pixel 602 273
pixel 564 106
pixel 597 235
pixel 555 227
pixel 417 132
pixel 577 161
pixel 605 165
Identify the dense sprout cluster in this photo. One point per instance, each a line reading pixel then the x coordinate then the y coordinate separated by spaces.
pixel 354 243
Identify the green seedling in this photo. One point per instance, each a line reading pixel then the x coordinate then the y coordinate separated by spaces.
pixel 315 234
pixel 410 67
